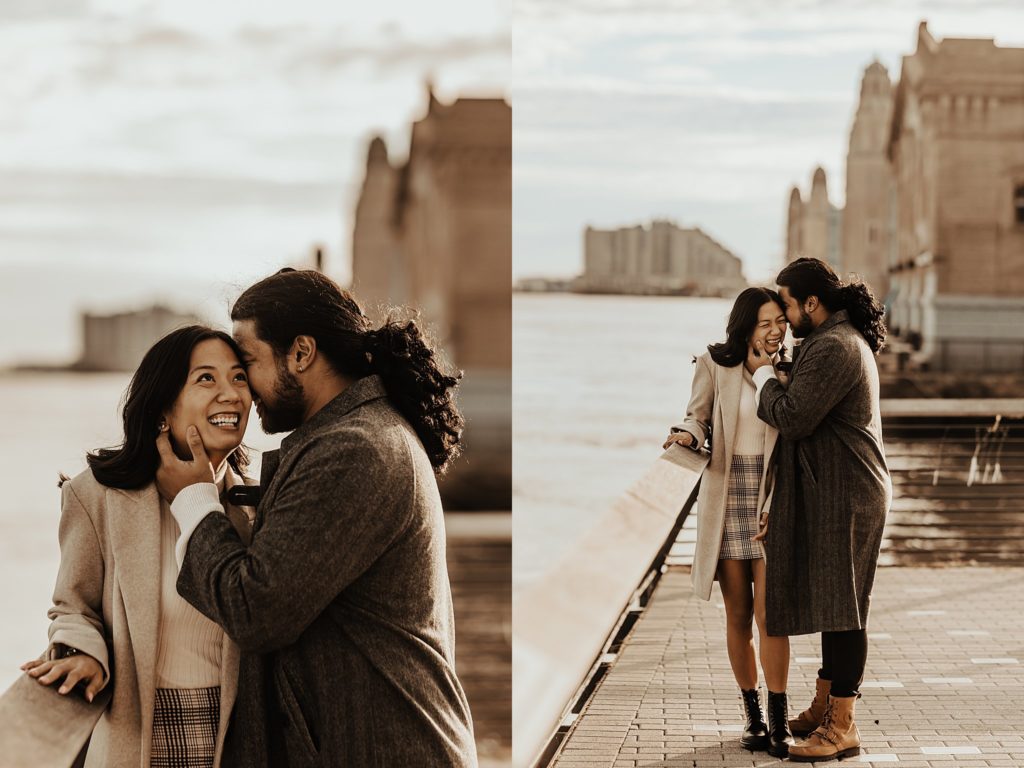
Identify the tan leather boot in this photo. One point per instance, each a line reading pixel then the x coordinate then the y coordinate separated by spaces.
pixel 836 737
pixel 810 718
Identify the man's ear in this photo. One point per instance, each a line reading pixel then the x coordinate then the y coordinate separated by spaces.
pixel 811 304
pixel 303 351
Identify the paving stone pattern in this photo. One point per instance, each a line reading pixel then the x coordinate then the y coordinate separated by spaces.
pixel 944 684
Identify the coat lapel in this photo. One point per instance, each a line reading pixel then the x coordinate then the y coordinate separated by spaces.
pixel 730 387
pixel 135 541
pixel 271 460
pixel 771 436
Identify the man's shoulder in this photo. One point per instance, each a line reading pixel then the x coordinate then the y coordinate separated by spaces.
pixel 840 337
pixel 841 348
pixel 374 431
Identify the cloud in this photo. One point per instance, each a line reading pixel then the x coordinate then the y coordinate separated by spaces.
pixel 401 53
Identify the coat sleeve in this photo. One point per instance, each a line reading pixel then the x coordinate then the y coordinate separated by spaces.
pixel 76 618
pixel 828 371
pixel 340 508
pixel 701 406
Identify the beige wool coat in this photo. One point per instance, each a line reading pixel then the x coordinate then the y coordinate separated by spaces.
pixel 712 414
pixel 106 603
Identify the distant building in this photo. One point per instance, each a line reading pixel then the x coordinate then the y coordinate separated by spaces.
pixel 543 285
pixel 118 342
pixel 814 227
pixel 934 214
pixel 435 233
pixel 660 258
pixel 957 151
pixel 867 221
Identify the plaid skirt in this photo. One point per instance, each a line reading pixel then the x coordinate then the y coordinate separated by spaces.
pixel 185 722
pixel 741 509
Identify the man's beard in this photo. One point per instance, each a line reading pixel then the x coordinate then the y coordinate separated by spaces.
pixel 289 404
pixel 804 327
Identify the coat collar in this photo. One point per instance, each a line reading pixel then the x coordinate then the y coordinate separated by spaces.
pixel 730 389
pixel 359 392
pixel 135 540
pixel 842 316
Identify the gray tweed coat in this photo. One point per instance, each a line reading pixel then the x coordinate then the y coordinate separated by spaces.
pixel 341 605
pixel 832 486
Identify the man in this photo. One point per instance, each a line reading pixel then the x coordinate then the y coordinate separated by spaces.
pixel 341 603
pixel 832 492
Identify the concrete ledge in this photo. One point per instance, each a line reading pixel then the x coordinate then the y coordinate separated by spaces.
pixel 562 625
pixel 478 525
pixel 1010 408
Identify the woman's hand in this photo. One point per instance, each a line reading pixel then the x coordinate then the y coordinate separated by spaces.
pixel 74 669
pixel 684 439
pixel 782 376
pixel 762 527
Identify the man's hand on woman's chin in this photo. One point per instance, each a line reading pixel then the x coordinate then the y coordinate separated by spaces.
pixel 757 357
pixel 173 475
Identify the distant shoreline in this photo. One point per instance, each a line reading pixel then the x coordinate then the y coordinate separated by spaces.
pixel 570 285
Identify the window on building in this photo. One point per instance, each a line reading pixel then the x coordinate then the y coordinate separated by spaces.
pixel 1018 203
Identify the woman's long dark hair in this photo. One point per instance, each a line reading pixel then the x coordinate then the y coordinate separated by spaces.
pixel 742 322
pixel 813 277
pixel 154 388
pixel 295 303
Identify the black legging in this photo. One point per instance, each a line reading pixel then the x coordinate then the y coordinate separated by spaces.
pixel 843 657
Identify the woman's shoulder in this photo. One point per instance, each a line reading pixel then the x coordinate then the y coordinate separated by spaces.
pixel 705 359
pixel 89 491
pixel 84 485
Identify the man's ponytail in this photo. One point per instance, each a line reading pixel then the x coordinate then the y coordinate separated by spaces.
pixel 418 387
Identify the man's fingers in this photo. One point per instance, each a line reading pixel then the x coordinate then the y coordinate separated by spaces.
pixel 195 442
pixel 163 445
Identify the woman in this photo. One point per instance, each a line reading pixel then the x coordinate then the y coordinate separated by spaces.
pixel 734 490
pixel 115 606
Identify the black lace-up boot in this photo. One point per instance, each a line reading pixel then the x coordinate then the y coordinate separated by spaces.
pixel 779 737
pixel 755 734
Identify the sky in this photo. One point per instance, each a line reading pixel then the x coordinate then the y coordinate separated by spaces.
pixel 178 151
pixel 703 113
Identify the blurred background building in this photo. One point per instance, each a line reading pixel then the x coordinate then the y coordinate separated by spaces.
pixel 117 342
pixel 813 227
pixel 660 258
pixel 934 214
pixel 957 152
pixel 434 233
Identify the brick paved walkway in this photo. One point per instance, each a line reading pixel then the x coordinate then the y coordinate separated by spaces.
pixel 944 683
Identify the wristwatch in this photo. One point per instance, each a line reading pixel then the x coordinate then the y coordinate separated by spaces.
pixel 69 652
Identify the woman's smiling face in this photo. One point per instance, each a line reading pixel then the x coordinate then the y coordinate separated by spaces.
pixel 771 327
pixel 215 398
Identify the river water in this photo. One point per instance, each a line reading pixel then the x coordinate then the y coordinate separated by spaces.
pixel 596 382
